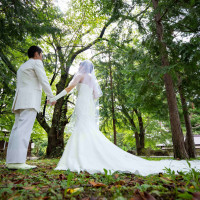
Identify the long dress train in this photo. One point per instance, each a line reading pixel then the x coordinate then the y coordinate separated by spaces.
pixel 89 150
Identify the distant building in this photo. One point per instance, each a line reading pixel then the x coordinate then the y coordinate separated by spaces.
pixel 168 145
pixel 197 141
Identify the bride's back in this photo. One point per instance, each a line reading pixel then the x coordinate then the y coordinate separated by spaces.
pixel 87 79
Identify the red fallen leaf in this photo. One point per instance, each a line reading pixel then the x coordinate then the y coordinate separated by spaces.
pixel 131 183
pixel 121 182
pixel 61 177
pixel 94 184
pixel 148 196
pixel 179 177
pixel 36 183
pixel 142 196
pixel 46 198
pixel 16 188
pixel 139 181
pixel 196 196
pixel 136 198
pixel 19 181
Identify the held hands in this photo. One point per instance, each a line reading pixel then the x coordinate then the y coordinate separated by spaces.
pixel 53 100
pixel 51 104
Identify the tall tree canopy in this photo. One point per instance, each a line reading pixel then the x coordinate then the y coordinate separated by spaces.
pixel 147 60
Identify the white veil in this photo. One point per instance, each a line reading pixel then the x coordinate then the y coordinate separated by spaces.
pixel 86 70
pixel 86 75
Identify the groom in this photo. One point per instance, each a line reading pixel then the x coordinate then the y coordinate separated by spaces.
pixel 31 79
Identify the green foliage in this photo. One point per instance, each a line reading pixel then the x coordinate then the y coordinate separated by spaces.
pixel 45 182
pixel 129 46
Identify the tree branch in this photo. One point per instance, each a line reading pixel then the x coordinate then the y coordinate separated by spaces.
pixel 163 15
pixel 8 63
pixel 92 43
pixel 132 18
pixel 43 122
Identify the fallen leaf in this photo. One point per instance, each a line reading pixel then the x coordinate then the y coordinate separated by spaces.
pixel 29 188
pixel 14 197
pixel 196 196
pixel 169 186
pixel 61 177
pixel 165 180
pixel 142 196
pixel 139 181
pixel 74 190
pixel 96 184
pixel 45 197
pixel 36 183
pixel 19 181
pixel 118 186
pixel 121 182
pixel 148 196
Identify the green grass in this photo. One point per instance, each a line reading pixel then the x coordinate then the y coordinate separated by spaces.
pixel 46 183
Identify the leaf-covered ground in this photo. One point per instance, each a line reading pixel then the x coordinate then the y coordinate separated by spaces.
pixel 46 183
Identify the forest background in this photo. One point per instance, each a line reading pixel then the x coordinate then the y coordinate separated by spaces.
pixel 146 58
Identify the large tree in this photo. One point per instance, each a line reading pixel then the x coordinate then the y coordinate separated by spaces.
pixel 22 24
pixel 177 134
pixel 82 26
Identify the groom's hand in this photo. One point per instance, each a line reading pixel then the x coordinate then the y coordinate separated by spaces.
pixel 51 103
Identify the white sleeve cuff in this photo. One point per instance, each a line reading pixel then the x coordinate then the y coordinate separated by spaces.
pixel 60 95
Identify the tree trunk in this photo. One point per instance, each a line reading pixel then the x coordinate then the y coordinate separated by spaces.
pixel 142 131
pixel 55 142
pixel 177 135
pixel 137 138
pixel 189 141
pixel 56 132
pixel 59 120
pixel 113 104
pixel 134 128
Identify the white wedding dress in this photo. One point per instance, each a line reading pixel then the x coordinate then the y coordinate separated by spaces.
pixel 89 150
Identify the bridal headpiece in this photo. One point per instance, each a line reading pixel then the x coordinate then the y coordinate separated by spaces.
pixel 86 67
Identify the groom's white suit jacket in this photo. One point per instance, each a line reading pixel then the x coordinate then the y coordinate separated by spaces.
pixel 31 79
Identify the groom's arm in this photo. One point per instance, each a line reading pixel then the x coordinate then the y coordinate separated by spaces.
pixel 41 74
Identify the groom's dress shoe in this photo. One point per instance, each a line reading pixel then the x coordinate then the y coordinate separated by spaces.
pixel 20 166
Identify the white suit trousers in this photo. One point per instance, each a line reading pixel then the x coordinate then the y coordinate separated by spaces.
pixel 20 136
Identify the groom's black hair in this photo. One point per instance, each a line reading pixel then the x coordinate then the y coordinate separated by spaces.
pixel 32 50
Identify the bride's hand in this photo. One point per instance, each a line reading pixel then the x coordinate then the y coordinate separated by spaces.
pixel 52 101
pixel 58 96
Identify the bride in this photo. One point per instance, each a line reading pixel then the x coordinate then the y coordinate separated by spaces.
pixel 88 149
